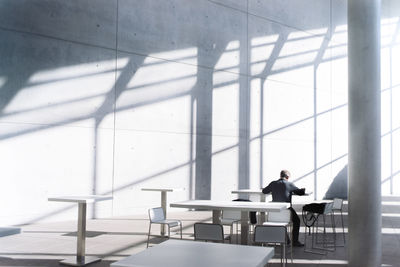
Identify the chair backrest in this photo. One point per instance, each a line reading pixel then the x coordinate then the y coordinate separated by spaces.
pixel 156 214
pixel 231 214
pixel 337 203
pixel 279 216
pixel 328 208
pixel 270 234
pixel 208 232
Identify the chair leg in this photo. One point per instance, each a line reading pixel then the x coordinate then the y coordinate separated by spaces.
pixel 284 254
pixel 334 229
pixel 237 232
pixel 181 230
pixel 231 234
pixel 169 232
pixel 341 216
pixel 291 242
pixel 148 236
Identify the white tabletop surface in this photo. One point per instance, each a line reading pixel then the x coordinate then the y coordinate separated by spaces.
pixel 80 199
pixel 259 192
pixel 304 202
pixel 248 191
pixel 231 205
pixel 163 189
pixel 182 253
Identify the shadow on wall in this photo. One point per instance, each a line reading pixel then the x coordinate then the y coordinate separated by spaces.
pixel 339 185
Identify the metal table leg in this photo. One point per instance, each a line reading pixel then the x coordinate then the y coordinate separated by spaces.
pixel 164 206
pixel 216 215
pixel 81 259
pixel 262 214
pixel 244 227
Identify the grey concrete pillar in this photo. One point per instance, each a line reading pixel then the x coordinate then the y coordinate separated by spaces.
pixel 365 246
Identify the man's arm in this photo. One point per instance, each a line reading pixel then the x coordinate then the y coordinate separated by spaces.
pixel 297 191
pixel 267 189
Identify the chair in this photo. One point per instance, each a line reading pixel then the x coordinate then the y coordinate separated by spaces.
pixel 157 216
pixel 229 218
pixel 209 232
pixel 282 218
pixel 311 216
pixel 276 234
pixel 338 207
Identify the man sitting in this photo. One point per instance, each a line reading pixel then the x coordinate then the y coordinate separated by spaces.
pixel 282 191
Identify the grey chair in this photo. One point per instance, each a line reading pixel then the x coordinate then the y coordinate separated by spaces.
pixel 272 234
pixel 282 218
pixel 209 232
pixel 312 219
pixel 231 218
pixel 338 207
pixel 157 216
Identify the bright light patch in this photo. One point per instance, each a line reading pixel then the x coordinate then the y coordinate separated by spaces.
pixel 390 231
pixel 72 72
pixel 341 28
pixel 161 71
pixel 188 55
pixel 264 40
pixel 233 45
pixel 63 94
pixel 261 50
pixel 306 44
pixel 225 109
pixel 338 38
pixel 320 31
pixel 230 58
pixel 388 30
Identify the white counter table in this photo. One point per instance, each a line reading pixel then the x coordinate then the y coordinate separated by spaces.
pixel 182 253
pixel 82 201
pixel 244 207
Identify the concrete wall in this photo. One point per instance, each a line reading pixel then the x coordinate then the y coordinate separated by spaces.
pixel 108 97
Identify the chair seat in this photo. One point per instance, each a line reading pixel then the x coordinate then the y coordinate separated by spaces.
pixel 171 223
pixel 276 223
pixel 228 221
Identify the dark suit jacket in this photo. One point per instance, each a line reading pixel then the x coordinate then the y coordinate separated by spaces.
pixel 282 190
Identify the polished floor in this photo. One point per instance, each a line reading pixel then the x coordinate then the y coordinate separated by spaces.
pixel 45 244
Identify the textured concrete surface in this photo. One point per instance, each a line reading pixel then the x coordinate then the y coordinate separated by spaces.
pixel 45 244
pixel 108 97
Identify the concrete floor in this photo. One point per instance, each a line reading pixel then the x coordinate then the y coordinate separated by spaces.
pixel 45 244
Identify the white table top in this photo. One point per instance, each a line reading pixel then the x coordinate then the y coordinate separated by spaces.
pixel 182 253
pixel 163 189
pixel 305 202
pixel 249 191
pixel 231 205
pixel 80 199
pixel 259 192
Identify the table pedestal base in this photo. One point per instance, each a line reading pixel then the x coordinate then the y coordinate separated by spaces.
pixel 82 262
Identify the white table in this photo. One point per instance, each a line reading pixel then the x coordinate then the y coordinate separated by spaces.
pixel 163 200
pixel 257 192
pixel 82 201
pixel 251 192
pixel 182 253
pixel 244 207
pixel 260 193
pixel 262 197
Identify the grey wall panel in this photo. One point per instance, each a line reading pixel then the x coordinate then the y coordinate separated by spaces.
pixel 236 4
pixel 310 15
pixel 172 29
pixel 92 22
pixel 65 83
pixel 57 124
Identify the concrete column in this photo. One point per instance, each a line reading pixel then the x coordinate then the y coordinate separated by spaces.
pixel 365 246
